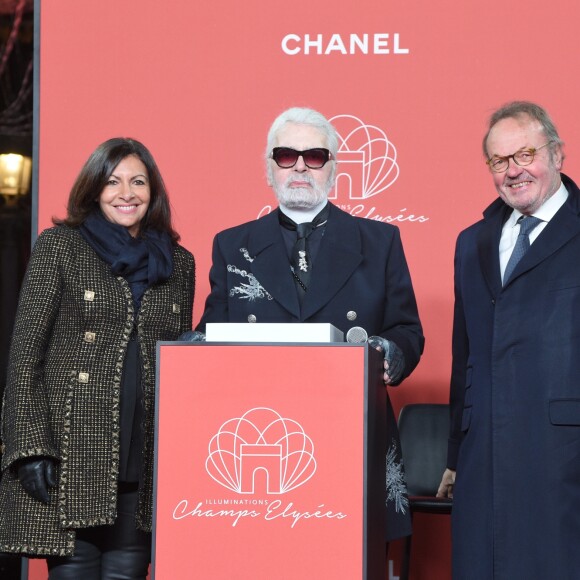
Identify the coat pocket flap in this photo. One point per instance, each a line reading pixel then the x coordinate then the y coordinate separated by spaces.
pixel 565 412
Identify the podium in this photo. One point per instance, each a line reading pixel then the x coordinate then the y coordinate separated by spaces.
pixel 270 462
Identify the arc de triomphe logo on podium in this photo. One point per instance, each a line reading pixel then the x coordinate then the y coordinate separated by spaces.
pixel 261 451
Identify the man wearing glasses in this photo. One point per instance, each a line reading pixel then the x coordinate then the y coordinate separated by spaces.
pixel 514 449
pixel 308 261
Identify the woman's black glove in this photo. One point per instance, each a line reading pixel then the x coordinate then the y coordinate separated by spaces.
pixel 36 475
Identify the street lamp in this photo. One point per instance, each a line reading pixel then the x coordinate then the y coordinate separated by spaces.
pixel 15 173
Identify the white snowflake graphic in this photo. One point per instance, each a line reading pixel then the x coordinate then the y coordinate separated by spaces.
pixel 396 486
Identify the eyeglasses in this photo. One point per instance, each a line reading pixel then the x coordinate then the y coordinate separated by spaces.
pixel 313 158
pixel 522 158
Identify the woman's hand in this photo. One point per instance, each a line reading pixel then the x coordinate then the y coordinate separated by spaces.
pixel 36 475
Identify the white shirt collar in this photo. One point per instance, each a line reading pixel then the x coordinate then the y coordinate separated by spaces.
pixel 301 216
pixel 547 210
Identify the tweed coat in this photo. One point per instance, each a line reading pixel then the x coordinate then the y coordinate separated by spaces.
pixel 62 397
pixel 515 401
pixel 360 278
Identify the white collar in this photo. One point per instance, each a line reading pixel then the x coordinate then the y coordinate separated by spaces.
pixel 301 216
pixel 547 210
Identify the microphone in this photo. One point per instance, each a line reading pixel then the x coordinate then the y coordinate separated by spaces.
pixel 357 334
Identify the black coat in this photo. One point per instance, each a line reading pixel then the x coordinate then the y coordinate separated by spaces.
pixel 360 268
pixel 515 397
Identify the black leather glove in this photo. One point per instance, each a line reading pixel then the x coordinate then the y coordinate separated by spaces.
pixel 393 355
pixel 192 336
pixel 36 475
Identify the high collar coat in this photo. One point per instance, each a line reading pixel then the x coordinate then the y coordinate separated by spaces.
pixel 359 278
pixel 515 400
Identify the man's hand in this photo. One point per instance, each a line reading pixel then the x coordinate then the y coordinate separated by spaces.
pixel 447 483
pixel 36 475
pixel 394 359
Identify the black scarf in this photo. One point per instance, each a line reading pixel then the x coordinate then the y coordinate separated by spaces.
pixel 142 261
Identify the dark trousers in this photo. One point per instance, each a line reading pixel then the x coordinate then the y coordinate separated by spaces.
pixel 117 552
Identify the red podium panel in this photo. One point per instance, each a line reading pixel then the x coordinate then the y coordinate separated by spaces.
pixel 270 462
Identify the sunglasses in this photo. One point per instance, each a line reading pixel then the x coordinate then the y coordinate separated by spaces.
pixel 313 158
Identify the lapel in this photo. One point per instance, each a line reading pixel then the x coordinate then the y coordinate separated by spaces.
pixel 339 255
pixel 488 244
pixel 562 227
pixel 271 266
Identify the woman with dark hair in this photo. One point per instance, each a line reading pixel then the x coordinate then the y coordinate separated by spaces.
pixel 102 287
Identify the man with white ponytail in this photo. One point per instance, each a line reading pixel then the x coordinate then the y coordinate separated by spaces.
pixel 308 261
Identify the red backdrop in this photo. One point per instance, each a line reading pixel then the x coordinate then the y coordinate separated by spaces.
pixel 200 83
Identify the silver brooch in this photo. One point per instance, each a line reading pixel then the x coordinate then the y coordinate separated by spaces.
pixel 250 291
pixel 246 254
pixel 302 262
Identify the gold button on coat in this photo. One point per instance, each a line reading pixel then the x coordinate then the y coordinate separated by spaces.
pixel 89 295
pixel 83 377
pixel 90 336
pixel 176 309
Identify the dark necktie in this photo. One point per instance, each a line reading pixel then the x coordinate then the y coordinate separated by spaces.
pixel 527 224
pixel 301 262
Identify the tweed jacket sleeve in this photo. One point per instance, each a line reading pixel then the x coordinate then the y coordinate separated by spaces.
pixel 39 304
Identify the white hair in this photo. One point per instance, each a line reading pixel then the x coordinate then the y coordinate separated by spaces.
pixel 303 116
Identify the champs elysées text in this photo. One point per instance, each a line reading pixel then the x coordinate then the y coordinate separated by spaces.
pixel 273 510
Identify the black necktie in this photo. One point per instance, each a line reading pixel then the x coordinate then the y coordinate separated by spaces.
pixel 301 262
